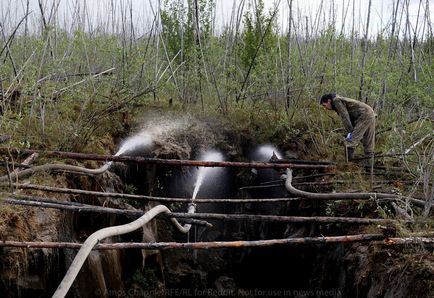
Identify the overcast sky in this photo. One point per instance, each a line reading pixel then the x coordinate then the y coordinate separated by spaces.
pixel 99 12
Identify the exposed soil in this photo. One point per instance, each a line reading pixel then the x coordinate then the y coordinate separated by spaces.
pixel 338 270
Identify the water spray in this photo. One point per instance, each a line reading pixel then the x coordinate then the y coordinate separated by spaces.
pixel 204 171
pixel 266 152
pixel 142 139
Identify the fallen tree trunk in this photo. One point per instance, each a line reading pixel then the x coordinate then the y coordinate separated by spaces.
pixel 77 207
pixel 174 162
pixel 48 203
pixel 225 244
pixel 203 245
pixel 27 162
pixel 143 197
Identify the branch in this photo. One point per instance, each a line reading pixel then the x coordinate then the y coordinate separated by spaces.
pixel 417 143
pixel 71 206
pixel 78 207
pixel 56 93
pixel 142 197
pixel 6 45
pixel 26 163
pixel 225 244
pixel 173 162
pixel 208 245
pixel 240 95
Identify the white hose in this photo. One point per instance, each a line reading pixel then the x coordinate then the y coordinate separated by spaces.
pixel 53 167
pixel 93 239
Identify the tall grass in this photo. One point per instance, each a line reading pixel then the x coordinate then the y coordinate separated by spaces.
pixel 71 74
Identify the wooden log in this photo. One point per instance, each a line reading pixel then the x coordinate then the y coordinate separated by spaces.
pixel 227 244
pixel 26 163
pixel 5 164
pixel 77 207
pixel 146 198
pixel 282 184
pixel 301 161
pixel 291 219
pixel 409 240
pixel 202 245
pixel 173 162
pixel 48 203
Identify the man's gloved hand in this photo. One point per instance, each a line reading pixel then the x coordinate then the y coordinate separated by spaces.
pixel 349 137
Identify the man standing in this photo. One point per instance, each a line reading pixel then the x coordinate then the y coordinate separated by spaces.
pixel 358 119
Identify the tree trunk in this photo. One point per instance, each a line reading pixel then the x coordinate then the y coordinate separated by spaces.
pixel 289 66
pixel 362 96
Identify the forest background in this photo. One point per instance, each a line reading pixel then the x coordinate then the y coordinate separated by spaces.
pixel 73 76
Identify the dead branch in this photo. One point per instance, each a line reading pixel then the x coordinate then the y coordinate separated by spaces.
pixel 143 197
pixel 241 93
pixel 401 212
pixel 417 143
pixel 293 219
pixel 174 162
pixel 395 155
pixel 365 51
pixel 203 245
pixel 72 206
pixel 56 93
pixel 298 184
pixel 409 240
pixel 226 244
pixel 26 163
pixel 55 77
pixel 301 161
pixel 12 36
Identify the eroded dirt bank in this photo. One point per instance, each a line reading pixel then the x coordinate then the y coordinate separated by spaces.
pixel 324 270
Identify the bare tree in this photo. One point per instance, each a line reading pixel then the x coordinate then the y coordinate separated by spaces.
pixel 365 50
pixel 198 50
pixel 240 95
pixel 413 43
pixel 353 24
pixel 289 66
pixel 389 52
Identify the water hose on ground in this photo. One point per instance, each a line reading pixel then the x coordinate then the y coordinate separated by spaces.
pixel 342 196
pixel 54 167
pixel 93 239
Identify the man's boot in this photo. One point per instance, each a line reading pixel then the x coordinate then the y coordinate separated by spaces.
pixel 349 153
